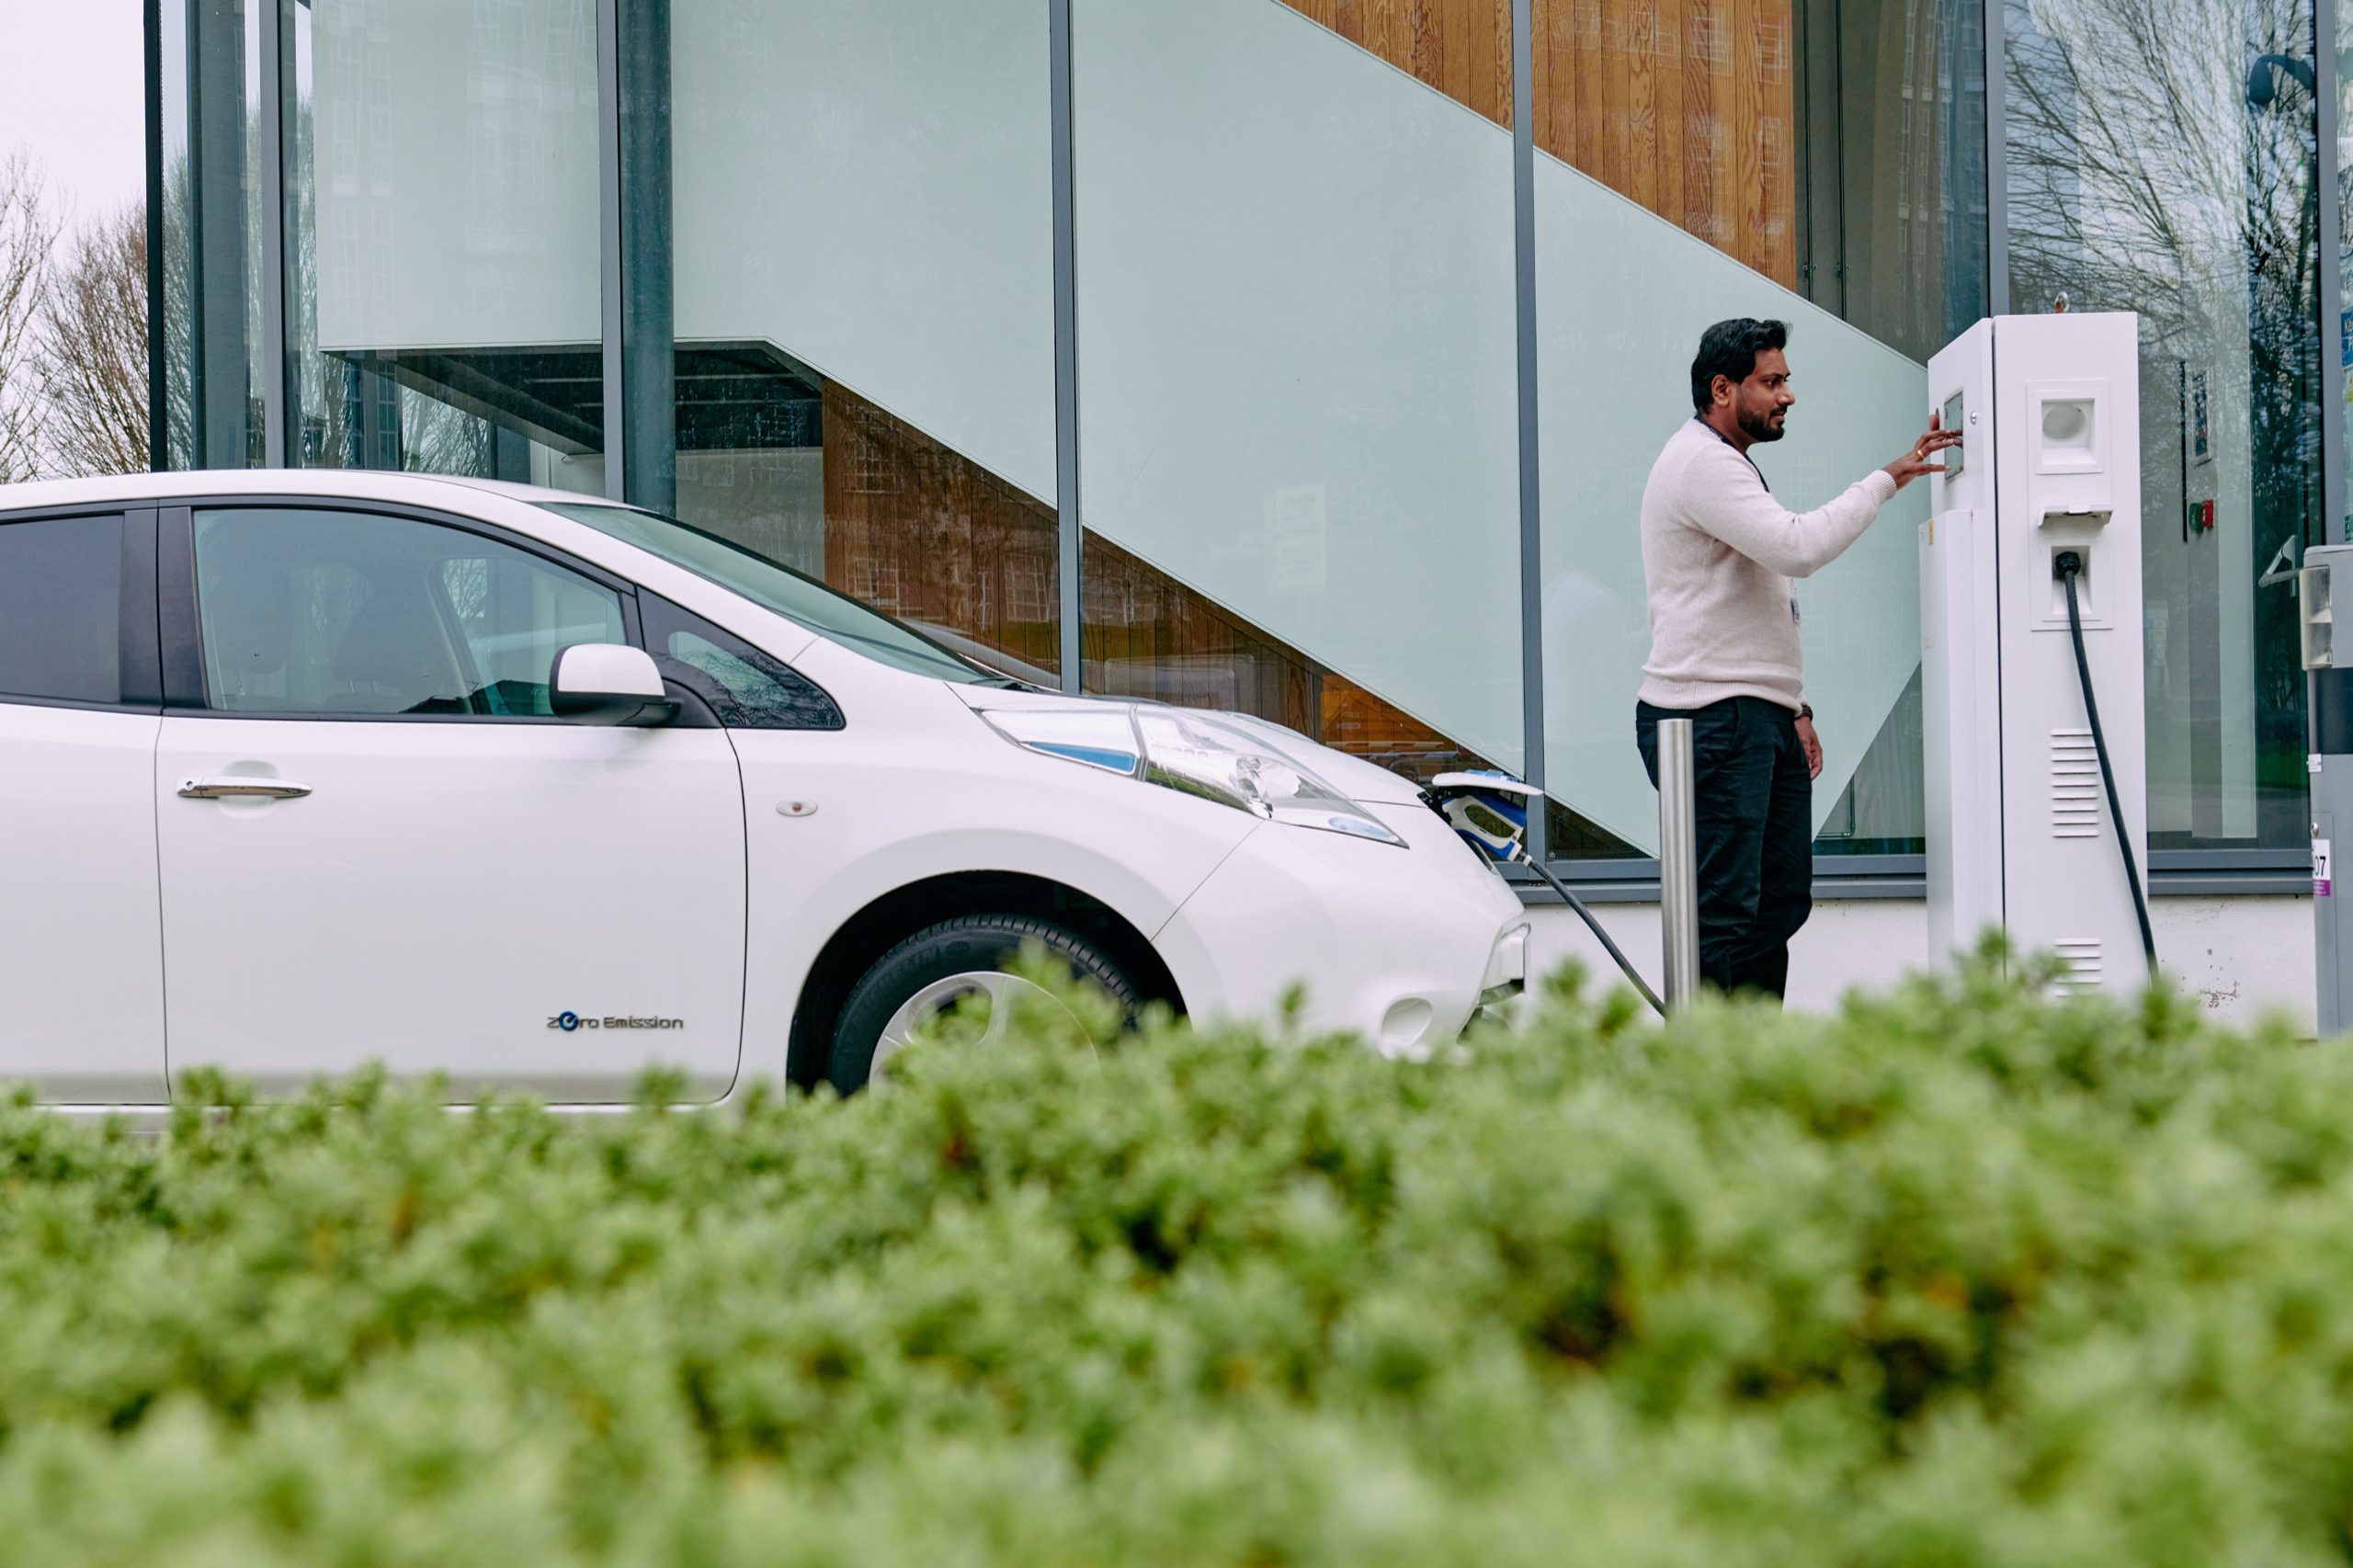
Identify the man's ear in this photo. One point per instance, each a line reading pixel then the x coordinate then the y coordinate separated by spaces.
pixel 1722 392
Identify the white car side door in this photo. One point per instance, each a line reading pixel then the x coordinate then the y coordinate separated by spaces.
pixel 81 961
pixel 377 842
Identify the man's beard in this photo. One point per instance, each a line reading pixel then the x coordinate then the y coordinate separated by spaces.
pixel 1760 426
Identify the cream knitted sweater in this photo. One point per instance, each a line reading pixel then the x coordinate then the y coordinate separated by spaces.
pixel 1718 554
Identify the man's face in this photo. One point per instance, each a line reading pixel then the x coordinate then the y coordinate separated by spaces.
pixel 1761 403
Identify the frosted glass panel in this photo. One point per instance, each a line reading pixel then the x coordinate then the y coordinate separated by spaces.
pixel 863 227
pixel 456 145
pixel 441 169
pixel 1621 299
pixel 869 189
pixel 1297 373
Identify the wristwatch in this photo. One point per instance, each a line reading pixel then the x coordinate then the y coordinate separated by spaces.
pixel 1805 709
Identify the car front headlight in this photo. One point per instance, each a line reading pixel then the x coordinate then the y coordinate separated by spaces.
pixel 1192 752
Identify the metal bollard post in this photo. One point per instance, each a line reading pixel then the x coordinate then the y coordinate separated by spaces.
pixel 1678 863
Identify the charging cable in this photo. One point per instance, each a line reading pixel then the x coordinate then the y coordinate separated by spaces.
pixel 2067 566
pixel 1624 963
pixel 1490 810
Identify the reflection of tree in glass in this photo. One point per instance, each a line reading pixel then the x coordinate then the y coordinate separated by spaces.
pixel 2160 159
pixel 177 445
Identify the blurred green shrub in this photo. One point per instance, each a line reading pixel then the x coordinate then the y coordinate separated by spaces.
pixel 1958 1276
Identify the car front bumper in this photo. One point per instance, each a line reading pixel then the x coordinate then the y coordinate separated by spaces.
pixel 1400 946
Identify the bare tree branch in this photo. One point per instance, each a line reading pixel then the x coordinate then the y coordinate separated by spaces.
pixel 27 229
pixel 94 354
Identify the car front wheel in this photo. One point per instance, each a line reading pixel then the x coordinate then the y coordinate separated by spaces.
pixel 939 967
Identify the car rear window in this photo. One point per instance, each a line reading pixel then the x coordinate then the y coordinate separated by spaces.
pixel 60 610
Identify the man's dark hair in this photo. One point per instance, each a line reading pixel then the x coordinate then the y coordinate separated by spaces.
pixel 1730 348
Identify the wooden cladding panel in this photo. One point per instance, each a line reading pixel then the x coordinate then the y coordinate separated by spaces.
pixel 1147 635
pixel 1686 106
pixel 1353 720
pixel 1461 47
pixel 916 530
pixel 920 532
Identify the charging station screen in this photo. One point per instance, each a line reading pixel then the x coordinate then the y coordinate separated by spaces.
pixel 1952 456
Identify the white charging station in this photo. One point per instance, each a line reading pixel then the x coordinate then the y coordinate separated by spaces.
pixel 2020 833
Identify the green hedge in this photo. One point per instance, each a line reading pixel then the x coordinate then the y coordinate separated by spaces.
pixel 1955 1277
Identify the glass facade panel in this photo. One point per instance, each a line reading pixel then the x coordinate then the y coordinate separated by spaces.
pixel 827 234
pixel 2160 159
pixel 1297 381
pixel 442 277
pixel 863 206
pixel 1698 159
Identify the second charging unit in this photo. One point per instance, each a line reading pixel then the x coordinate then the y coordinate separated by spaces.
pixel 2025 792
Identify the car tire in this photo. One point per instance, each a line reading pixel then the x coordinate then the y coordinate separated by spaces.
pixel 929 970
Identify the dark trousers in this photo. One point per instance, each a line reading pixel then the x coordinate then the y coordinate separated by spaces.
pixel 1753 813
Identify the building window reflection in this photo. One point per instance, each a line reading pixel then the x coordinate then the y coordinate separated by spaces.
pixel 1298 326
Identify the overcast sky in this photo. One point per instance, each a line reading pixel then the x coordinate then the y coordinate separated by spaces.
pixel 71 95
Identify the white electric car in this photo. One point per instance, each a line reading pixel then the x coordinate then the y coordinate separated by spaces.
pixel 301 770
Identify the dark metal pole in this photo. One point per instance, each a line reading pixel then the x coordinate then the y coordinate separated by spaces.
pixel 2331 270
pixel 220 389
pixel 648 409
pixel 271 179
pixel 1070 527
pixel 1531 511
pixel 1997 172
pixel 159 391
pixel 608 242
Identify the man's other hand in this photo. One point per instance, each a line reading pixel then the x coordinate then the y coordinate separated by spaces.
pixel 1915 463
pixel 1813 744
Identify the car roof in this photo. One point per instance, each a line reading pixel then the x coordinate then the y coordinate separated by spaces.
pixel 359 484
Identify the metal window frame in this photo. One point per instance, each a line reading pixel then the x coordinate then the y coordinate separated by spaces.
pixel 276 89
pixel 637 280
pixel 609 281
pixel 159 432
pixel 1531 509
pixel 1070 535
pixel 2173 873
pixel 2331 267
pixel 1997 183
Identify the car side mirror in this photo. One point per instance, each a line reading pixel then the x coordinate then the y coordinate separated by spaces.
pixel 607 683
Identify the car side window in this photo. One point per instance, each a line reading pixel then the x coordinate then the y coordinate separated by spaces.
pixel 748 689
pixel 353 613
pixel 60 610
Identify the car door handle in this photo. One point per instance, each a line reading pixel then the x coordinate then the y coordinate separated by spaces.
pixel 242 787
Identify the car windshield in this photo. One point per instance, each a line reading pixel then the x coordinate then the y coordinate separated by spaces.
pixel 798 599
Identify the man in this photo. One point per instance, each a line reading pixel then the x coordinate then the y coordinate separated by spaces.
pixel 1718 555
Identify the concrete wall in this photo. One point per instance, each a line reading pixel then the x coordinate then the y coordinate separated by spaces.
pixel 2244 956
